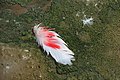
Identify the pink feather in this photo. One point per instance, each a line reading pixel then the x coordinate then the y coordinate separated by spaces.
pixel 54 45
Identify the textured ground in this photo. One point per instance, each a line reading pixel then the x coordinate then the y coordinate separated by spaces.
pixel 96 47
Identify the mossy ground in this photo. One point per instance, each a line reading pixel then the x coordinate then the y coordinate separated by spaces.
pixel 96 47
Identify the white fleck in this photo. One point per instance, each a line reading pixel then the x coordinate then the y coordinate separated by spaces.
pixel 83 12
pixel 14 20
pixel 40 76
pixel 84 16
pixel 7 21
pixel 7 67
pixel 87 21
pixel 24 57
pixel 26 50
pixel 63 17
pixel 96 4
pixel 77 14
pixel 88 63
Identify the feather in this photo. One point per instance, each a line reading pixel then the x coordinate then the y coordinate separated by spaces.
pixel 53 45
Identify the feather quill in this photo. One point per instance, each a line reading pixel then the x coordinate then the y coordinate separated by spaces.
pixel 53 45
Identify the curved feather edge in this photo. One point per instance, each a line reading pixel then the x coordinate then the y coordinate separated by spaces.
pixel 63 55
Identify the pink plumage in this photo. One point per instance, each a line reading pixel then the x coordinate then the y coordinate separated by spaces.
pixel 53 45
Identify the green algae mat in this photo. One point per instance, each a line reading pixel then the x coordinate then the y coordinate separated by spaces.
pixel 96 43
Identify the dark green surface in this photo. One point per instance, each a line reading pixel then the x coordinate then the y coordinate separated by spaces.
pixel 96 47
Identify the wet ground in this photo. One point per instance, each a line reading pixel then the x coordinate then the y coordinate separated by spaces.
pixel 96 46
